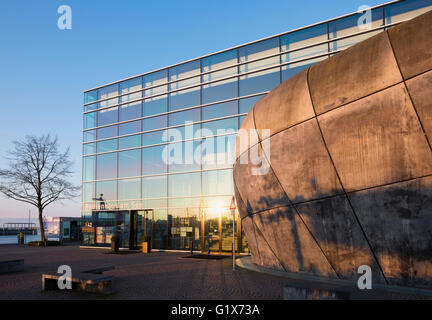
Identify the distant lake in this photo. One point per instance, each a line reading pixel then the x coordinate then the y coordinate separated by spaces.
pixel 14 239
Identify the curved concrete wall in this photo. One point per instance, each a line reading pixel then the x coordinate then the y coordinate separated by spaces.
pixel 350 179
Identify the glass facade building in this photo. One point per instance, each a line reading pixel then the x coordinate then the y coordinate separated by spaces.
pixel 159 147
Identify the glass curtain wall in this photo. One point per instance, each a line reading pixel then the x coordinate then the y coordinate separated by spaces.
pixel 165 141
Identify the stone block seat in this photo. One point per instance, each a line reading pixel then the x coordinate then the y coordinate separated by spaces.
pixel 87 280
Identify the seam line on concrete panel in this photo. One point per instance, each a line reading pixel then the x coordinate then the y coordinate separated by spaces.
pixel 255 238
pixel 275 133
pixel 409 94
pixel 342 105
pixel 340 182
pixel 391 183
pixel 271 249
pixel 370 94
pixel 295 208
pixel 240 196
pixel 341 194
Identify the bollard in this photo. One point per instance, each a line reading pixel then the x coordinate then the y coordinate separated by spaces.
pixel 20 238
pixel 191 247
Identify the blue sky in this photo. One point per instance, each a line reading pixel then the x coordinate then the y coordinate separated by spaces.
pixel 43 70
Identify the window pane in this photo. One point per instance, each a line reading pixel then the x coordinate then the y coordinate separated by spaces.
pixel 219 110
pixel 160 226
pixel 155 105
pixel 291 70
pixel 152 161
pixel 130 86
pixel 184 185
pixel 219 126
pixel 89 135
pixel 107 116
pixel 90 107
pixel 217 182
pixel 185 226
pixel 349 25
pixel 155 203
pixel 181 156
pixel 90 96
pixel 259 82
pixel 248 103
pixel 183 133
pixel 152 138
pixel 156 80
pixel 218 61
pixel 303 38
pixel 179 118
pixel 155 123
pixel 154 187
pixel 108 92
pixel 406 10
pixel 89 120
pixel 130 111
pixel 184 99
pixel 89 148
pixel 107 145
pixel 129 189
pixel 259 50
pixel 130 163
pixel 130 142
pixel 221 90
pixel 107 132
pixel 107 166
pixel 182 71
pixel 218 152
pixel 130 127
pixel 88 191
pixel 108 189
pixel 89 168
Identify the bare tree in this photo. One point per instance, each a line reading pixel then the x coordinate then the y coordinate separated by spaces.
pixel 38 174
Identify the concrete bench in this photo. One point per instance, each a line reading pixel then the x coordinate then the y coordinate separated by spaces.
pixel 88 280
pixel 8 266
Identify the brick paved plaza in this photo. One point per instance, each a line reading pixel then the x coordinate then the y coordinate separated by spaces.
pixel 159 275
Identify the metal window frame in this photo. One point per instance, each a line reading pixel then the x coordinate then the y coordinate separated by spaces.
pixel 239 46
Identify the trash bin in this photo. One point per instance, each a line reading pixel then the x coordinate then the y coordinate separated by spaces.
pixel 20 238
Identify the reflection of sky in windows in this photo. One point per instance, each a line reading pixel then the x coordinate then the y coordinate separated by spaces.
pixel 108 189
pixel 212 155
pixel 152 162
pixel 106 166
pixel 155 105
pixel 129 163
pixel 130 111
pixel 129 189
pixel 130 86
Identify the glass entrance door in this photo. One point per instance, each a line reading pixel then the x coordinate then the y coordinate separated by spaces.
pixel 123 228
pixel 144 224
pixel 210 233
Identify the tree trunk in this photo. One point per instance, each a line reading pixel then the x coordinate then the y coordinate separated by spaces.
pixel 41 225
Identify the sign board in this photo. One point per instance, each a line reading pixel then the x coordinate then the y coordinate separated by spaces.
pixel 233 205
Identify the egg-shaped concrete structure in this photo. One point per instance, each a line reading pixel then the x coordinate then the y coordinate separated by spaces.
pixel 350 164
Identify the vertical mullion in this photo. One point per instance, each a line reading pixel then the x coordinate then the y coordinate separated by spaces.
pixel 201 209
